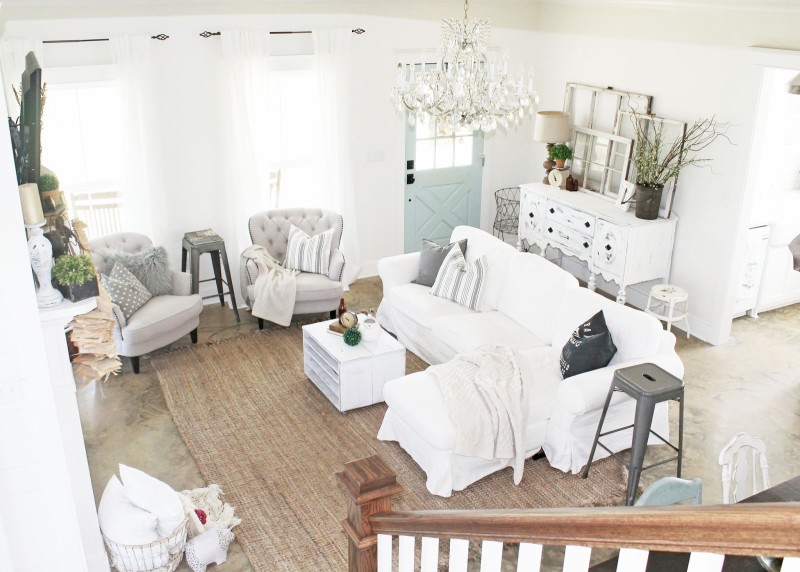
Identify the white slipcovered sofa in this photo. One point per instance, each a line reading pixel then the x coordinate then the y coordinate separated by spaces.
pixel 533 306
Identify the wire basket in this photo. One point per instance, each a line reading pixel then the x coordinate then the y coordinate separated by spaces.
pixel 160 556
pixel 507 218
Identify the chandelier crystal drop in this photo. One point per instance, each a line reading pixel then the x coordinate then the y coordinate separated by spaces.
pixel 467 88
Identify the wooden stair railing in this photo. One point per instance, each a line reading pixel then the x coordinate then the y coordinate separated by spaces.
pixel 709 532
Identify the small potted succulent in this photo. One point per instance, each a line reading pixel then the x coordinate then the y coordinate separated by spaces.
pixel 75 277
pixel 561 153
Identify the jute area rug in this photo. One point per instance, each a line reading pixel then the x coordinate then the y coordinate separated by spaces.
pixel 262 431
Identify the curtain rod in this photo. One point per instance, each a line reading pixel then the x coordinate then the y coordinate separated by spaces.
pixel 205 34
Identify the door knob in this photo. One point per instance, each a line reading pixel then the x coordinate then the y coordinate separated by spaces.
pixel 410 179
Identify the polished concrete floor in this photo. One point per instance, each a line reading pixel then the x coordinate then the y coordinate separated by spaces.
pixel 750 384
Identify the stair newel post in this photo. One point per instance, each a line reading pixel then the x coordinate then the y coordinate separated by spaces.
pixel 370 484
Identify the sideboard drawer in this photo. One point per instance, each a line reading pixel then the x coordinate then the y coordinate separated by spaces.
pixel 570 217
pixel 531 215
pixel 611 247
pixel 571 239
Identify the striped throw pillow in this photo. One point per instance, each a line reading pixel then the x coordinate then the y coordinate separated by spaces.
pixel 308 253
pixel 461 281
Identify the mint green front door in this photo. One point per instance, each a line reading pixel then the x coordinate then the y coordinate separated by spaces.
pixel 443 183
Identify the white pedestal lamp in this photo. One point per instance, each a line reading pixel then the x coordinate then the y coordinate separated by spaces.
pixel 551 127
pixel 39 248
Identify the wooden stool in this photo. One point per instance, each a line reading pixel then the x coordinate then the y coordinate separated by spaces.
pixel 662 303
pixel 648 384
pixel 197 243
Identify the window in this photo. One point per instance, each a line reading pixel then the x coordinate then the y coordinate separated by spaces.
pixel 80 145
pixel 294 144
pixel 438 149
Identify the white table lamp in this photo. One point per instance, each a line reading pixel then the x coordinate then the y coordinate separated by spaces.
pixel 39 248
pixel 551 127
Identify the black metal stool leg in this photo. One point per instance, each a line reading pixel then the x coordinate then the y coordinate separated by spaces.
pixel 195 267
pixel 641 433
pixel 680 434
pixel 217 275
pixel 224 255
pixel 599 430
pixel 183 259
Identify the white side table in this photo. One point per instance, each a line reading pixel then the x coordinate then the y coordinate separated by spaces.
pixel 350 376
pixel 670 304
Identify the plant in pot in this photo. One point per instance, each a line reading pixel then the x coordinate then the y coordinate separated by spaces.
pixel 561 153
pixel 659 156
pixel 75 277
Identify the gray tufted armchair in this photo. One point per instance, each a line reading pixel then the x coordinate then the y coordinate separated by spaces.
pixel 270 229
pixel 163 319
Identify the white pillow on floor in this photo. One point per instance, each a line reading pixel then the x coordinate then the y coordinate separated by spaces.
pixel 121 520
pixel 154 496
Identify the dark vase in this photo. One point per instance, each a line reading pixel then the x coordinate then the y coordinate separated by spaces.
pixel 78 292
pixel 648 201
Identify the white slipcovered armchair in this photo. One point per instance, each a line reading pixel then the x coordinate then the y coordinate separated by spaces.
pixel 162 319
pixel 270 229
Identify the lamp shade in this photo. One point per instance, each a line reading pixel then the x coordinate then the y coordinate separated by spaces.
pixel 552 127
pixel 32 213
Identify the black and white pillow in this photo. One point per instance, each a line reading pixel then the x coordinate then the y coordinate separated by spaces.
pixel 125 290
pixel 589 347
pixel 431 257
pixel 461 281
pixel 308 253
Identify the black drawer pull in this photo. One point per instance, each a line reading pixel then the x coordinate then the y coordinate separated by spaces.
pixel 586 245
pixel 550 229
pixel 530 215
pixel 608 247
pixel 552 210
pixel 587 224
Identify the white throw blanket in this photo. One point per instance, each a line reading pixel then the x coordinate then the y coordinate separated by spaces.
pixel 486 395
pixel 275 288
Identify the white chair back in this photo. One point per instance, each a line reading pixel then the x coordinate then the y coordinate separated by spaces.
pixel 743 460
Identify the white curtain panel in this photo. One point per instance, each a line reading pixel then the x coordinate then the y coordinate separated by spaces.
pixel 12 64
pixel 245 56
pixel 143 206
pixel 333 58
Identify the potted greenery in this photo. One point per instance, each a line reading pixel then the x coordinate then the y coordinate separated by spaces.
pixel 48 182
pixel 659 157
pixel 560 153
pixel 75 277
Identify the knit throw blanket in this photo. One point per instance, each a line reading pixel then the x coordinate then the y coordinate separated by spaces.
pixel 274 290
pixel 486 395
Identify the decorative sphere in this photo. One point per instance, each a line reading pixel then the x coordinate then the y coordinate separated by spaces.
pixel 352 336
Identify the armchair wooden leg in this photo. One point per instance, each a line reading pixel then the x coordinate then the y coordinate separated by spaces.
pixel 260 323
pixel 333 314
pixel 193 335
pixel 135 364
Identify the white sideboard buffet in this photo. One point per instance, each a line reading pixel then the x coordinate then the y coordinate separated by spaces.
pixel 614 244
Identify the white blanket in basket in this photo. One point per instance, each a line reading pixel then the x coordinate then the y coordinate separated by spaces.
pixel 486 395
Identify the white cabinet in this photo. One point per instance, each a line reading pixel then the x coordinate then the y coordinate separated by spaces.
pixel 614 244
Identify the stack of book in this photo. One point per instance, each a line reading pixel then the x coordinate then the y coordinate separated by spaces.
pixel 93 336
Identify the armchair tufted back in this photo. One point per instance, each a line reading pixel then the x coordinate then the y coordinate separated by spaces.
pixel 270 229
pixel 126 241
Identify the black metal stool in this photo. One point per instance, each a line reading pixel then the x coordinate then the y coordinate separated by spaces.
pixel 197 243
pixel 648 384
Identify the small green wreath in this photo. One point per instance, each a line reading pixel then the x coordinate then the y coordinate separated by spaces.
pixel 352 336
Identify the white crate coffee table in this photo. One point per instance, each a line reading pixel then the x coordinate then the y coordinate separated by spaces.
pixel 350 376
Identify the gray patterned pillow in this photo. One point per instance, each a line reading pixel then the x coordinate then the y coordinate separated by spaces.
pixel 125 290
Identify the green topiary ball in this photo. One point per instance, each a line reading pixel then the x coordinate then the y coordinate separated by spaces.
pixel 47 182
pixel 352 336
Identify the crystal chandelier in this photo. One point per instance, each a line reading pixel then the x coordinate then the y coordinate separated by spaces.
pixel 466 88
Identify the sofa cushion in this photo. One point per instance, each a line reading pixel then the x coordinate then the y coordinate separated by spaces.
pixel 308 253
pixel 498 256
pixel 150 266
pixel 416 399
pixel 465 332
pixel 461 281
pixel 532 292
pixel 431 256
pixel 125 290
pixel 589 347
pixel 160 315
pixel 636 334
pixel 416 304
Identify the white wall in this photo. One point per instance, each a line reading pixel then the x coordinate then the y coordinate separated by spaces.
pixel 687 81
